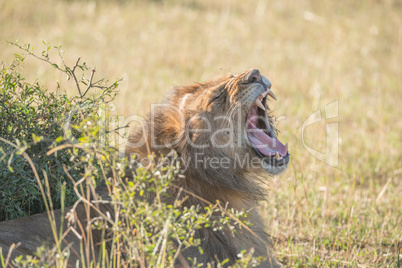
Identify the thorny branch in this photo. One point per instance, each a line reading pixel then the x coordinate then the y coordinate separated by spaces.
pixel 71 72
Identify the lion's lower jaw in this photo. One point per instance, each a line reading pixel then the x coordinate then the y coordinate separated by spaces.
pixel 275 170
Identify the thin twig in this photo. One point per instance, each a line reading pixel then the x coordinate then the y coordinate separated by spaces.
pixel 72 72
pixel 81 198
pixel 90 82
pixel 9 253
pixel 180 256
pixel 61 147
pixel 35 56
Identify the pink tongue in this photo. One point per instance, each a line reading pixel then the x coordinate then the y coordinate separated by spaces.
pixel 264 143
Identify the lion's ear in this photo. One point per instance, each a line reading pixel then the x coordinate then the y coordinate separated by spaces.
pixel 170 128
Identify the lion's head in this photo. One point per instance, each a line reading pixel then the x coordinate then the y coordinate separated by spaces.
pixel 221 129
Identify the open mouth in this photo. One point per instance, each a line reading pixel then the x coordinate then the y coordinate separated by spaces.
pixel 260 134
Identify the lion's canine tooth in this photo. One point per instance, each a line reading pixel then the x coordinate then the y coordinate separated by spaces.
pixel 259 104
pixel 277 157
pixel 287 147
pixel 270 93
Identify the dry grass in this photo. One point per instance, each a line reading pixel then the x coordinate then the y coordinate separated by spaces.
pixel 314 53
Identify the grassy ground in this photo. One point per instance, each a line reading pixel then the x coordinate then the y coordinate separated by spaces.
pixel 314 53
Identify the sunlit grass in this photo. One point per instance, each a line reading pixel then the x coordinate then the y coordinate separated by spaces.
pixel 314 53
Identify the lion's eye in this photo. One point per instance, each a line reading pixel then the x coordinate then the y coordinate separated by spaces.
pixel 213 99
pixel 216 97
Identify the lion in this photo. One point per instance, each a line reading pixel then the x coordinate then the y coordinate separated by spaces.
pixel 226 141
pixel 223 133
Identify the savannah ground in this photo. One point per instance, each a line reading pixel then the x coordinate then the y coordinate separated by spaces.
pixel 314 52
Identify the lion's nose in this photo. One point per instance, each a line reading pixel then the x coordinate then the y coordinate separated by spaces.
pixel 253 76
pixel 266 81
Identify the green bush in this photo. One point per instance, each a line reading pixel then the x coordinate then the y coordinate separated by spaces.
pixel 34 119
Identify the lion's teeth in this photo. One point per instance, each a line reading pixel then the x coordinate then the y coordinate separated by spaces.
pixel 270 93
pixel 287 147
pixel 259 104
pixel 277 157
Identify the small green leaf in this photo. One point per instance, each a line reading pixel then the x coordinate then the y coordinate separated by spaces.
pixel 36 139
pixel 83 139
pixel 225 261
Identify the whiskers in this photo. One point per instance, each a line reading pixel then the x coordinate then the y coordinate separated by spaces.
pixel 229 116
